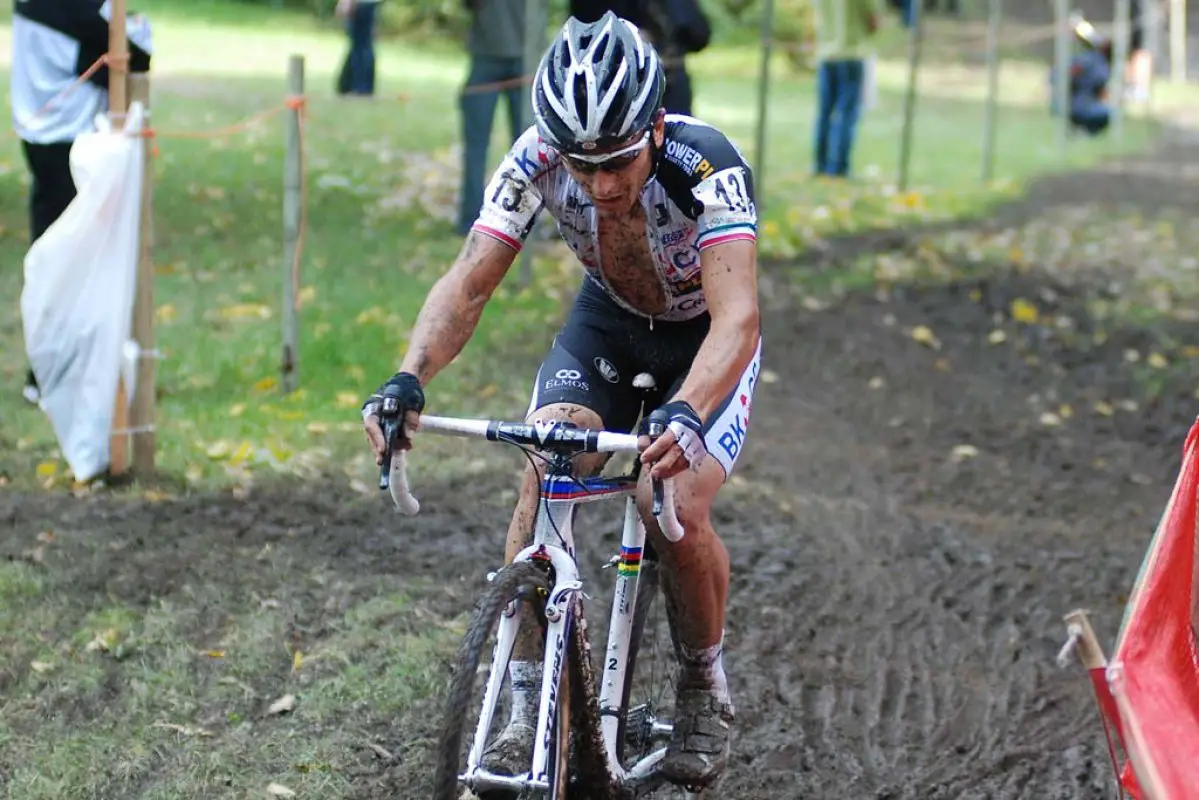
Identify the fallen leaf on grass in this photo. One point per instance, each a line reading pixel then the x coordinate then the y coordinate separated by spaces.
pixel 1103 409
pixel 962 452
pixel 997 336
pixel 214 653
pixel 1157 361
pixel 1050 419
pixel 381 752
pixel 925 336
pixel 877 382
pixel 279 790
pixel 185 730
pixel 348 400
pixel 284 704
pixel 1024 311
pixel 769 376
pixel 297 661
pixel 41 667
pixel 47 469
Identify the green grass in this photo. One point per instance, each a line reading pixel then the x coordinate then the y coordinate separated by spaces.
pixel 176 703
pixel 382 185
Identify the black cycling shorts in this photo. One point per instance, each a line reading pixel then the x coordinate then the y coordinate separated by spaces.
pixel 602 347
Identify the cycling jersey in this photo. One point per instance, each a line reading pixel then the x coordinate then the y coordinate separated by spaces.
pixel 700 195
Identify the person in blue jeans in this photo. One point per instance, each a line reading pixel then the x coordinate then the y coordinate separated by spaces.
pixel 843 32
pixel 496 46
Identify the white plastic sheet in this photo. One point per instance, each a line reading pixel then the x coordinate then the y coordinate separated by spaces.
pixel 77 303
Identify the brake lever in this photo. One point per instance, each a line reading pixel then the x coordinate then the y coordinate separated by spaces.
pixel 656 429
pixel 389 420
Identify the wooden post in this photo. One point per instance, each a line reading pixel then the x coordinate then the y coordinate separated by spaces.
pixel 915 37
pixel 118 70
pixel 1120 31
pixel 291 228
pixel 1061 77
pixel 142 413
pixel 118 64
pixel 1178 41
pixel 1090 652
pixel 763 97
pixel 994 25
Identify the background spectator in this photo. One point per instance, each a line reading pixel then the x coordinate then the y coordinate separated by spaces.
pixel 676 28
pixel 496 47
pixel 53 43
pixel 843 31
pixel 358 72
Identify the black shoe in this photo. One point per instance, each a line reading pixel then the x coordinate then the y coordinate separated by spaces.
pixel 31 393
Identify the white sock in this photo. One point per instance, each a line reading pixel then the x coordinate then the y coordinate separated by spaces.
pixel 705 667
pixel 525 680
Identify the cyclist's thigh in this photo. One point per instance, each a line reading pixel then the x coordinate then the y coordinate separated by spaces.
pixel 585 371
pixel 726 429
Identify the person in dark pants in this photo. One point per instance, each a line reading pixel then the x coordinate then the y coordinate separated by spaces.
pixel 843 32
pixel 54 42
pixel 676 28
pixel 496 46
pixel 358 72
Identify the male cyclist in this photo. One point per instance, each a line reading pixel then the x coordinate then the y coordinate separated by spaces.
pixel 659 210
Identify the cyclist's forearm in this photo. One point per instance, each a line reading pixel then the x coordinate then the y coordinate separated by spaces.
pixel 443 327
pixel 722 358
pixel 452 309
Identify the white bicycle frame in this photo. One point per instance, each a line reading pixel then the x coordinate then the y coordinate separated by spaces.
pixel 553 538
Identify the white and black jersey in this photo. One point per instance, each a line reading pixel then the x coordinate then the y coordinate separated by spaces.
pixel 54 42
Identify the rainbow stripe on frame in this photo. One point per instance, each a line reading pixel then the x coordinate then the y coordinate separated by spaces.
pixel 630 562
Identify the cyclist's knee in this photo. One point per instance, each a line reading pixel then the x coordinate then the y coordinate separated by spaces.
pixel 573 413
pixel 577 415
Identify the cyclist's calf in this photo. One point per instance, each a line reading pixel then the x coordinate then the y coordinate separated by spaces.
pixel 695 568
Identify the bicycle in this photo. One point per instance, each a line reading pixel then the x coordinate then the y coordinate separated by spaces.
pixel 586 746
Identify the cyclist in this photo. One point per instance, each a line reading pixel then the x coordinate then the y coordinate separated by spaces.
pixel 659 210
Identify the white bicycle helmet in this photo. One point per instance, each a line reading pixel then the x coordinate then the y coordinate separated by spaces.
pixel 598 84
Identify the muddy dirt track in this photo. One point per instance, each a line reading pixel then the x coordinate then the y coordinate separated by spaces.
pixel 895 610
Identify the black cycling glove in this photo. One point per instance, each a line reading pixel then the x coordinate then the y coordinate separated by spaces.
pixel 681 419
pixel 400 394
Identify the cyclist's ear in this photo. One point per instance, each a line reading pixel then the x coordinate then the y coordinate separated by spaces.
pixel 659 134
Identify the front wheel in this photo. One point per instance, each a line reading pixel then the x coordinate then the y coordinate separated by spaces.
pixel 516 583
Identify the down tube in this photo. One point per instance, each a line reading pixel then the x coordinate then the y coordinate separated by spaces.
pixel 624 605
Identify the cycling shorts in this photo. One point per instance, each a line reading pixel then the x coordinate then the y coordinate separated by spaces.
pixel 602 347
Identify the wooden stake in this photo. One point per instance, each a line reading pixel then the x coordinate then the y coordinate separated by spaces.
pixel 118 67
pixel 994 26
pixel 1061 82
pixel 142 413
pixel 915 40
pixel 1090 653
pixel 291 228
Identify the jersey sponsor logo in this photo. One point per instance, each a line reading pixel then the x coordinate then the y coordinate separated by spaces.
pixel 661 215
pixel 606 369
pixel 688 285
pixel 688 159
pixel 674 237
pixel 685 259
pixel 733 436
pixel 691 302
pixel 568 379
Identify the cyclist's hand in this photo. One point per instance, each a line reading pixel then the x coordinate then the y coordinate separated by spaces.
pixel 679 447
pixel 409 397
